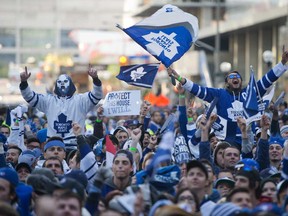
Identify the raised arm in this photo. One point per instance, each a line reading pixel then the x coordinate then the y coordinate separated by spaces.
pixel 262 152
pixel 267 80
pixel 204 93
pixel 24 76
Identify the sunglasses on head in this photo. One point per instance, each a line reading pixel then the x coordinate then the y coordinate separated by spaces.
pixel 232 76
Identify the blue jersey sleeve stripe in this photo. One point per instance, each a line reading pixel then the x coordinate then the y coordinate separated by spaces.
pixel 28 101
pixel 198 92
pixel 87 170
pixel 91 99
pixel 205 94
pixel 92 176
pixel 95 97
pixel 35 104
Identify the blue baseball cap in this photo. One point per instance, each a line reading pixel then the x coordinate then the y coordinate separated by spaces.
pixel 42 135
pixel 9 175
pixel 131 122
pixel 277 140
pixel 28 157
pixel 51 143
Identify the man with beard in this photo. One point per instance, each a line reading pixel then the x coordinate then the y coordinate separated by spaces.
pixel 63 108
pixel 12 155
pixel 230 99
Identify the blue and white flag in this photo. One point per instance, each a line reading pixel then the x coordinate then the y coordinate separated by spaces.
pixel 251 102
pixel 163 153
pixel 167 34
pixel 141 75
pixel 267 98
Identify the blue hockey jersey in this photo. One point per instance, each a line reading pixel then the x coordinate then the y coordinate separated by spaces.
pixel 230 106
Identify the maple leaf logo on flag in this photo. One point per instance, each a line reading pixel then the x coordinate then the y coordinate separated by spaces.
pixel 162 42
pixel 137 74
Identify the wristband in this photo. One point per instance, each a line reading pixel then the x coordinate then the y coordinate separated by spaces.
pixel 181 96
pixel 132 149
pixel 98 120
pixel 190 119
pixel 179 78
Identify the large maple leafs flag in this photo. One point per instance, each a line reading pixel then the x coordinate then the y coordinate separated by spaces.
pixel 141 75
pixel 167 34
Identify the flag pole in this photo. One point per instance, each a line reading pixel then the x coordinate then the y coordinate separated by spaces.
pixel 257 89
pixel 118 26
pixel 172 79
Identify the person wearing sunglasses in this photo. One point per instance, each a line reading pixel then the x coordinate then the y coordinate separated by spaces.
pixel 231 98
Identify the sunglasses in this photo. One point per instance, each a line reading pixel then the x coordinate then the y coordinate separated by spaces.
pixel 232 76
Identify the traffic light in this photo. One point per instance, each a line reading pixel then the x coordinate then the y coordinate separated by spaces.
pixel 123 60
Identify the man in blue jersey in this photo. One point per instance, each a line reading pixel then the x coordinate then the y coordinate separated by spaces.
pixel 230 104
pixel 65 107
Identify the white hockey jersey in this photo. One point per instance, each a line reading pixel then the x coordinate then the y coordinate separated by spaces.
pixel 61 112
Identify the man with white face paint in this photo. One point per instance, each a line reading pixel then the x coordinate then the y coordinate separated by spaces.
pixel 62 85
pixel 63 108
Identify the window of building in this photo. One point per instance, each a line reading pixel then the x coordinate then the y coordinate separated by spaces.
pixel 5 59
pixel 66 41
pixel 37 38
pixel 7 37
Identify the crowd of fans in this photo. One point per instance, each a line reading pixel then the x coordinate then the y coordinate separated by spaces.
pixel 165 161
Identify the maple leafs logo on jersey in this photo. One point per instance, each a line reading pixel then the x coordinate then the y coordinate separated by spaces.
pixel 162 42
pixel 169 9
pixel 137 74
pixel 62 126
pixel 236 110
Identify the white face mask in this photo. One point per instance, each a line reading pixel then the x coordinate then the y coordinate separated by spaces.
pixel 63 84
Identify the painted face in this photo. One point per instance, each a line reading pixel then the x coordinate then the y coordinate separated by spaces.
pixel 63 84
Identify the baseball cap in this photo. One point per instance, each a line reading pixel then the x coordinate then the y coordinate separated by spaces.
pixel 131 122
pixel 195 163
pixel 270 173
pixel 54 143
pixel 224 180
pixel 277 140
pixel 9 175
pixel 225 209
pixel 20 165
pixel 42 135
pixel 124 153
pixel 247 163
pixel 28 157
pixel 282 186
pixel 119 128
pixel 37 152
